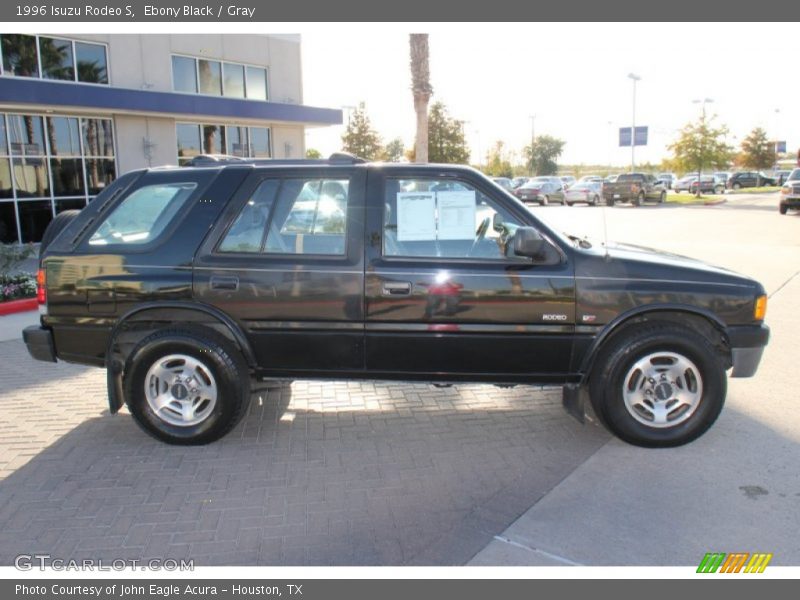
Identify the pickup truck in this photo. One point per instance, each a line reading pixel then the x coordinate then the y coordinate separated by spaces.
pixel 634 188
pixel 186 284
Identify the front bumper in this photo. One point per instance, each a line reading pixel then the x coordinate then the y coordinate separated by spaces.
pixel 747 347
pixel 39 341
pixel 790 201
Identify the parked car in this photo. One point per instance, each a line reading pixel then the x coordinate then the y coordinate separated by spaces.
pixel 567 180
pixel 684 184
pixel 589 192
pixel 790 192
pixel 518 181
pixel 635 188
pixel 187 284
pixel 541 190
pixel 503 182
pixel 709 184
pixel 668 179
pixel 722 176
pixel 749 179
pixel 781 176
pixel 587 178
pixel 611 178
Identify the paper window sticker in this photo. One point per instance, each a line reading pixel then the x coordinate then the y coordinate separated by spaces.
pixel 416 216
pixel 456 215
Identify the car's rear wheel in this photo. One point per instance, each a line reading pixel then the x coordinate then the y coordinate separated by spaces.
pixel 609 202
pixel 662 198
pixel 638 199
pixel 595 200
pixel 570 203
pixel 737 186
pixel 660 385
pixel 719 190
pixel 186 387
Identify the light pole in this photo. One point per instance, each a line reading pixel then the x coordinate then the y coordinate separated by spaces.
pixel 633 77
pixel 703 103
pixel 533 139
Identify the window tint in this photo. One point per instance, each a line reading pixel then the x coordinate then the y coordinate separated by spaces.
pixel 234 80
pixel 256 83
pixel 247 232
pixel 445 219
pixel 143 215
pixel 310 217
pixel 184 74
pixel 19 55
pixel 56 57
pixel 210 77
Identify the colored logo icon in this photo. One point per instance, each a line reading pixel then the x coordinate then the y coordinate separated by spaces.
pixel 736 562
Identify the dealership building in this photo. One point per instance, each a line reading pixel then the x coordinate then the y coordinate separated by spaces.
pixel 76 111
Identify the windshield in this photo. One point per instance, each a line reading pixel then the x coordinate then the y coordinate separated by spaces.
pixel 795 175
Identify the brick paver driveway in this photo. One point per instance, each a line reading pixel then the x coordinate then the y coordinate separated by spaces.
pixel 318 473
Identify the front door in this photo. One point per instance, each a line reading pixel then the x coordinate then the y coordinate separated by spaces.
pixel 287 264
pixel 445 295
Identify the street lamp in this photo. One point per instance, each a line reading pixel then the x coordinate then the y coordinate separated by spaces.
pixel 703 103
pixel 533 138
pixel 634 78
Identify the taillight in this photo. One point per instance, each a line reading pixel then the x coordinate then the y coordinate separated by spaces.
pixel 41 287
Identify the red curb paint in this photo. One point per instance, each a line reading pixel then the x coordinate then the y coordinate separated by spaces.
pixel 16 306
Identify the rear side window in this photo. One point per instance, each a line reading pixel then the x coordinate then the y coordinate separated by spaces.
pixel 143 216
pixel 292 216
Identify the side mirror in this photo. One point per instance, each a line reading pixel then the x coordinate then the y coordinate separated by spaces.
pixel 528 242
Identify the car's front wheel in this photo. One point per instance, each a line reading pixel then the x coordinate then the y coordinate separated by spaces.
pixel 660 385
pixel 783 209
pixel 186 387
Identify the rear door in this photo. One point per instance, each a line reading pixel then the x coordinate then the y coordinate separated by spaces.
pixel 446 298
pixel 286 262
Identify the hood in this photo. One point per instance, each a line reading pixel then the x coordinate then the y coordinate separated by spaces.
pixel 643 262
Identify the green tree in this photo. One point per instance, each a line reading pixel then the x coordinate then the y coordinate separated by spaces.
pixel 542 157
pixel 498 161
pixel 446 142
pixel 313 153
pixel 360 138
pixel 701 145
pixel 756 151
pixel 394 150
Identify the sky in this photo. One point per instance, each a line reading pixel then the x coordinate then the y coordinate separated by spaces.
pixel 572 76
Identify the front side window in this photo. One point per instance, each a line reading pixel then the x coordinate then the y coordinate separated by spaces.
pixel 444 219
pixel 292 216
pixel 144 215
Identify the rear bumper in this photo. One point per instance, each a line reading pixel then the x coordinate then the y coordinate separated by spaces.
pixel 39 341
pixel 747 347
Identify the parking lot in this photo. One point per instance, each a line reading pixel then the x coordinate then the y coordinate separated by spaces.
pixel 387 473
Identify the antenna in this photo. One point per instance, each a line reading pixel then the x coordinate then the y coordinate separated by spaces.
pixel 605 233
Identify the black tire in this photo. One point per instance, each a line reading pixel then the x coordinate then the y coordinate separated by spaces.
pixel 216 354
pixel 662 198
pixel 783 209
pixel 596 201
pixel 569 203
pixel 718 190
pixel 56 226
pixel 737 186
pixel 615 363
pixel 609 202
pixel 639 199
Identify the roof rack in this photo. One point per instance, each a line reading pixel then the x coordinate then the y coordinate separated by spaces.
pixel 214 160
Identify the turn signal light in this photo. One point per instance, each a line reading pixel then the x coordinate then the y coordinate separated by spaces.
pixel 41 289
pixel 760 310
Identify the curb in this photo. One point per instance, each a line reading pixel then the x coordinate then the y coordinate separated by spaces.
pixel 17 306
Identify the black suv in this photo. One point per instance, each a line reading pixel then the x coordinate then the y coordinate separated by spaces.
pixel 188 283
pixel 748 179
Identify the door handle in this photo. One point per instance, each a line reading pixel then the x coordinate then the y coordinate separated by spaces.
pixel 225 283
pixel 396 288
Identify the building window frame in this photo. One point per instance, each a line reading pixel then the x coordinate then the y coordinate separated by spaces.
pixel 222 64
pixel 224 138
pixel 72 41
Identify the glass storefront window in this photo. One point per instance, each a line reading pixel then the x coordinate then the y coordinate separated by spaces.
pixel 188 141
pixel 184 74
pixel 98 139
pixel 63 136
pixel 259 142
pixel 237 141
pixel 234 80
pixel 27 135
pixel 70 204
pixel 213 139
pixel 210 77
pixel 3 139
pixel 256 83
pixel 30 175
pixel 8 223
pixel 100 173
pixel 33 219
pixel 56 57
pixel 6 189
pixel 92 62
pixel 19 55
pixel 67 177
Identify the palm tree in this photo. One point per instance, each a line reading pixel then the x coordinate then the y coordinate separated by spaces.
pixel 422 90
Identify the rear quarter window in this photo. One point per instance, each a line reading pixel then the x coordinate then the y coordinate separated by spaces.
pixel 143 216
